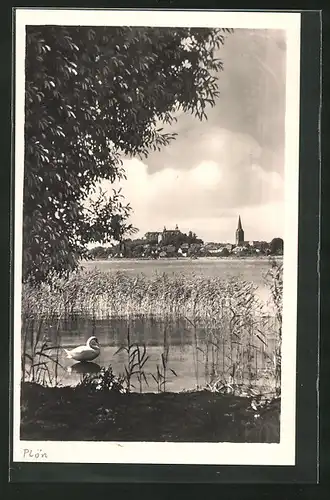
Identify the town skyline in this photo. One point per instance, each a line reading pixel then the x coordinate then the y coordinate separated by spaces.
pixel 239 226
pixel 220 241
pixel 172 242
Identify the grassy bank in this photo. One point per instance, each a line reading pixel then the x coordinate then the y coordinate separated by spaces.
pixel 75 414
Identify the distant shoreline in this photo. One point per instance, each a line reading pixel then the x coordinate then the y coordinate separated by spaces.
pixel 185 259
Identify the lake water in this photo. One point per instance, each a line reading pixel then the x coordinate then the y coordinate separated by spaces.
pixel 248 269
pixel 195 354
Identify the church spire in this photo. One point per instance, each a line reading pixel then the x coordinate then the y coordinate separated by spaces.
pixel 239 234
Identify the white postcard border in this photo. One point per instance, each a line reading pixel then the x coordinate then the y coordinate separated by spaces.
pixel 155 452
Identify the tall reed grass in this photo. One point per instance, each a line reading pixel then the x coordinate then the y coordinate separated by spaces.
pixel 136 359
pixel 118 294
pixel 39 355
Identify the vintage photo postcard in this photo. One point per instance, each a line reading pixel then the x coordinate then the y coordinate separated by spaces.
pixel 156 236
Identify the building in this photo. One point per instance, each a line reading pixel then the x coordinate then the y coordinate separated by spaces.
pixel 169 249
pixel 259 245
pixel 153 237
pixel 163 237
pixel 239 249
pixel 212 247
pixel 239 234
pixel 169 234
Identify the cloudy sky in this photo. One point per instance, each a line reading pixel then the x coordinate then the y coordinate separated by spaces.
pixel 233 163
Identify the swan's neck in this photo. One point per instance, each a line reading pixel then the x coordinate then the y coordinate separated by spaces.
pixel 94 348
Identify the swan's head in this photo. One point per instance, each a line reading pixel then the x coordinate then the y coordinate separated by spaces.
pixel 93 343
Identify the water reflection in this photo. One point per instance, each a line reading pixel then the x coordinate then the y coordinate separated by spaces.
pixel 195 353
pixel 84 367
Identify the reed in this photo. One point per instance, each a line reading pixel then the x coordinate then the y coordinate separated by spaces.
pixel 233 349
pixel 117 294
pixel 274 279
pixel 162 368
pixel 136 359
pixel 39 356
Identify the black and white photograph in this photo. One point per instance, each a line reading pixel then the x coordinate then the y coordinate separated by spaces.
pixel 156 223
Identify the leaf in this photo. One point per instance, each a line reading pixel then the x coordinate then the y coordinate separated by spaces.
pixel 121 348
pixel 145 378
pixel 133 366
pixel 40 363
pixel 50 348
pixel 262 340
pixel 163 361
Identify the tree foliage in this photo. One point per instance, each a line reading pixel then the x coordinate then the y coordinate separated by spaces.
pixel 276 246
pixel 94 95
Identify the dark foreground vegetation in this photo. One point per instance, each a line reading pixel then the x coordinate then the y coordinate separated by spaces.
pixel 77 413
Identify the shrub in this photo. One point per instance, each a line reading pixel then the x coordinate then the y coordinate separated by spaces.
pixel 105 381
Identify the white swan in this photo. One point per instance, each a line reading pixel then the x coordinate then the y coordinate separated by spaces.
pixel 87 352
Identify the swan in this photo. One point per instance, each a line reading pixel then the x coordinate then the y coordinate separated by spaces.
pixel 87 352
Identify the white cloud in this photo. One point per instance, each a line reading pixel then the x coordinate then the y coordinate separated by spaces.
pixel 197 200
pixel 207 174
